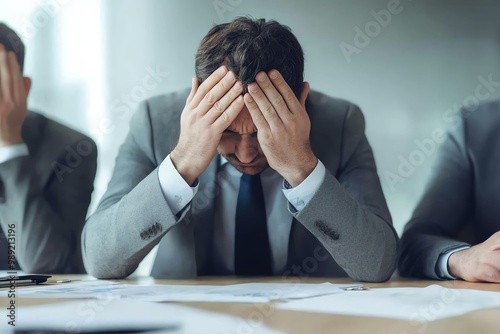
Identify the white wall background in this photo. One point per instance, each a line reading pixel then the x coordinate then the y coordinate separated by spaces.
pixel 88 59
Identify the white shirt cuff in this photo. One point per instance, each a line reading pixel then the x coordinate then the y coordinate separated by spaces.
pixel 11 152
pixel 175 189
pixel 443 263
pixel 304 192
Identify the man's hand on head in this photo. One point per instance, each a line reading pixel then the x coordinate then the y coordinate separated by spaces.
pixel 283 126
pixel 480 263
pixel 210 109
pixel 13 99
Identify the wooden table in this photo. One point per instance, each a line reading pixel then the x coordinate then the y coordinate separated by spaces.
pixel 481 322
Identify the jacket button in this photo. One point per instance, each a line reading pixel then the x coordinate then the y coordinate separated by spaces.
pixel 327 230
pixel 319 223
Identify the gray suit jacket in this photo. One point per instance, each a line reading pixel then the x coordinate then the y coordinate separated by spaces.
pixel 345 229
pixel 46 195
pixel 461 204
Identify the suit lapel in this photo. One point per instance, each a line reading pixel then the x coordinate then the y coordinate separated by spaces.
pixel 32 132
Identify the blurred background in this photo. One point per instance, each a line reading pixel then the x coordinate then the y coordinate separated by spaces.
pixel 409 64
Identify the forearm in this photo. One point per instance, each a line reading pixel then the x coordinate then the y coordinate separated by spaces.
pixel 117 238
pixel 421 246
pixel 44 243
pixel 362 243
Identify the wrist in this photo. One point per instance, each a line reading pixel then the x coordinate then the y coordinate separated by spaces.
pixel 183 167
pixel 299 173
pixel 11 140
pixel 456 262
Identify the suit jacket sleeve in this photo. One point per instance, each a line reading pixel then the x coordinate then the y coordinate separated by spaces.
pixel 133 215
pixel 349 215
pixel 443 210
pixel 48 216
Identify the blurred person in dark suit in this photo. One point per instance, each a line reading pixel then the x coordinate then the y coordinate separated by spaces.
pixel 47 172
pixel 454 231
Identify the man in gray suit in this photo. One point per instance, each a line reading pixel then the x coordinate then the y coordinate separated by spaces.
pixel 47 172
pixel 293 191
pixel 460 207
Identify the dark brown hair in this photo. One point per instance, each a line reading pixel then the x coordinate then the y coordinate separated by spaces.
pixel 12 42
pixel 247 46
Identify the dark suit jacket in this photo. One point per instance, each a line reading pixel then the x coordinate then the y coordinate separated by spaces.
pixel 46 195
pixel 347 218
pixel 462 194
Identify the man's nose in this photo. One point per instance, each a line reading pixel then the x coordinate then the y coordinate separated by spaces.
pixel 247 149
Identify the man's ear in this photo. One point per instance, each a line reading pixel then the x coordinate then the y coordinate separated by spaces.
pixel 27 84
pixel 305 91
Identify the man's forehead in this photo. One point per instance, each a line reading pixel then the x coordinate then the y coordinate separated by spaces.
pixel 243 123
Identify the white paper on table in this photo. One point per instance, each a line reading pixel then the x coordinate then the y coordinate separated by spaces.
pixel 108 290
pixel 416 304
pixel 238 293
pixel 74 289
pixel 93 315
pixel 275 291
pixel 241 293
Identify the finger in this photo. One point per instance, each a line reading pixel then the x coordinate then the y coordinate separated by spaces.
pixel 291 100
pixel 216 93
pixel 266 108
pixel 273 95
pixel 221 105
pixel 18 88
pixel 208 84
pixel 194 87
pixel 5 80
pixel 229 115
pixel 258 119
pixel 306 88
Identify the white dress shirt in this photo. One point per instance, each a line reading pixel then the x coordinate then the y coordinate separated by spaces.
pixel 11 152
pixel 179 194
pixel 443 263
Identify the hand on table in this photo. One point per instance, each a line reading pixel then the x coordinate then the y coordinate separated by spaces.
pixel 210 109
pixel 13 99
pixel 480 263
pixel 283 126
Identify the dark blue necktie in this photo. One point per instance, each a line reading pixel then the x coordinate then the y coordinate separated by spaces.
pixel 252 251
